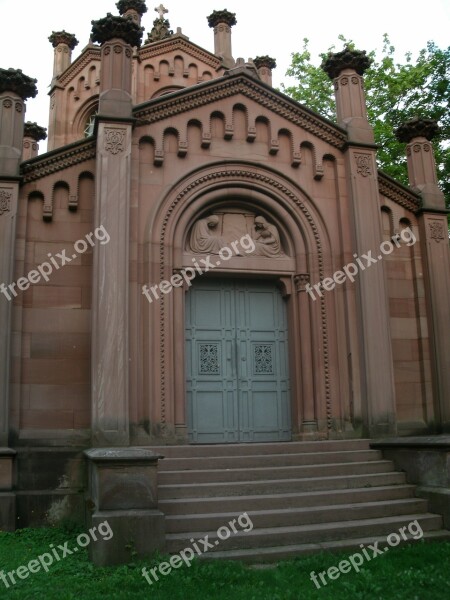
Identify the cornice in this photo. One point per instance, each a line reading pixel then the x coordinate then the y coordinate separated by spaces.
pixel 89 54
pixel 179 43
pixel 398 193
pixel 57 160
pixel 218 89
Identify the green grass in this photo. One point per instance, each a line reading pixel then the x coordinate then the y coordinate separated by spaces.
pixel 420 571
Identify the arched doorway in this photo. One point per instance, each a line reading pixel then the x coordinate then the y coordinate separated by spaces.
pixel 237 376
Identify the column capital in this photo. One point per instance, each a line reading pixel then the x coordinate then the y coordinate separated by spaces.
pixel 222 16
pixel 417 127
pixel 139 6
pixel 348 58
pixel 62 37
pixel 113 27
pixel 265 61
pixel 13 80
pixel 34 131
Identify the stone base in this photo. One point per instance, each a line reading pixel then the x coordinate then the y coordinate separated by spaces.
pixel 7 511
pixel 136 534
pixel 438 501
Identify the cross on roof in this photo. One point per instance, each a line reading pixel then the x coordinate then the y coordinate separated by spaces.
pixel 161 10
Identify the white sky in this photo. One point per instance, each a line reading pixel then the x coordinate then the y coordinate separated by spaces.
pixel 273 28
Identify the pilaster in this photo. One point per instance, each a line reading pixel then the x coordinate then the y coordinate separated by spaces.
pixel 222 21
pixel 15 88
pixel 433 225
pixel 110 407
pixel 379 414
pixel 265 65
pixel 32 134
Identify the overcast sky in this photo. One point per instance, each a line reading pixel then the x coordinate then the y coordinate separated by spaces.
pixel 273 28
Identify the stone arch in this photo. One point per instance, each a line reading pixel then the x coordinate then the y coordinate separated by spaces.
pixel 310 250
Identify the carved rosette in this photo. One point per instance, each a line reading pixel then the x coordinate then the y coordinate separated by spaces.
pixel 62 37
pixel 218 17
pixel 335 63
pixel 34 131
pixel 363 164
pixel 115 140
pixel 112 27
pixel 437 231
pixel 5 201
pixel 13 80
pixel 139 6
pixel 427 128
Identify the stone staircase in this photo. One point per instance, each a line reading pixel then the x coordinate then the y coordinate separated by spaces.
pixel 302 497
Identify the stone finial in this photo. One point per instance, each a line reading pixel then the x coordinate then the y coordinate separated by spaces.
pixel 347 59
pixel 417 127
pixel 62 37
pixel 13 80
pixel 139 6
pixel 265 61
pixel 34 131
pixel 160 31
pixel 222 16
pixel 111 27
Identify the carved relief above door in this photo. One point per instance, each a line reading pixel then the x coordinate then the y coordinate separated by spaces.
pixel 212 233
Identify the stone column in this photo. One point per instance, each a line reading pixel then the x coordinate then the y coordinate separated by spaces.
pixel 132 9
pixel 418 134
pixel 15 88
pixel 32 134
pixel 63 43
pixel 222 21
pixel 265 65
pixel 110 410
pixel 379 414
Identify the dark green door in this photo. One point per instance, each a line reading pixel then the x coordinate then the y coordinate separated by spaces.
pixel 237 367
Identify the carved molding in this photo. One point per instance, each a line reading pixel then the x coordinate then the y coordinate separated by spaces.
pixel 115 140
pixel 398 194
pixel 301 281
pixel 437 231
pixel 237 175
pixel 363 164
pixel 164 108
pixel 85 59
pixel 5 201
pixel 43 166
pixel 178 43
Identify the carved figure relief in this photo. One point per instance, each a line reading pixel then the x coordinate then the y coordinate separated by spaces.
pixel 267 238
pixel 210 234
pixel 204 238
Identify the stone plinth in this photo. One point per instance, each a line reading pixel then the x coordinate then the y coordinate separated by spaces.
pixel 7 497
pixel 123 491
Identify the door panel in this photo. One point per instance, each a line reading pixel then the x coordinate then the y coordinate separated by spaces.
pixel 237 376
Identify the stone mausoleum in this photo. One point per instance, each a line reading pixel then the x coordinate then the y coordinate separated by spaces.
pixel 174 152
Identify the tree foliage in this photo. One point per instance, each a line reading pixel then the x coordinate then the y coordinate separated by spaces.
pixel 396 92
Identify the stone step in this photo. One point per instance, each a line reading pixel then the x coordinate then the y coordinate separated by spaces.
pixel 264 473
pixel 210 450
pixel 266 460
pixel 301 534
pixel 240 504
pixel 276 553
pixel 298 516
pixel 274 486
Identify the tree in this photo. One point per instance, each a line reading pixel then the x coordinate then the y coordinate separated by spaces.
pixel 396 92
